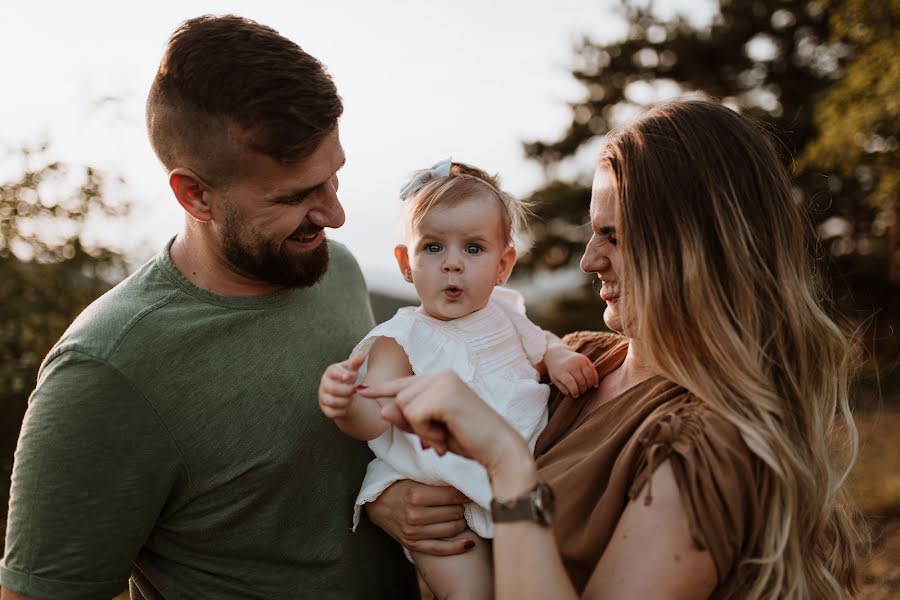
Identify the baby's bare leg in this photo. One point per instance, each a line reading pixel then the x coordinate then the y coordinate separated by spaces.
pixel 465 576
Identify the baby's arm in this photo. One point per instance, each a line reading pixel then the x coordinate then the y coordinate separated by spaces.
pixel 572 372
pixel 357 416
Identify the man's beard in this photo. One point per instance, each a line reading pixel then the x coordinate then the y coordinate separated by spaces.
pixel 268 261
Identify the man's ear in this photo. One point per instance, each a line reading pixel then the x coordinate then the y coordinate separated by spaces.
pixel 401 253
pixel 507 262
pixel 191 192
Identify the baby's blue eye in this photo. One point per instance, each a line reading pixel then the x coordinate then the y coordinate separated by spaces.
pixel 473 249
pixel 432 248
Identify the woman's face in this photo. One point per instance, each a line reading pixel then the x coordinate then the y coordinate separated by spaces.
pixel 602 254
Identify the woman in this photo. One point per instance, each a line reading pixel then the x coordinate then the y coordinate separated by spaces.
pixel 703 464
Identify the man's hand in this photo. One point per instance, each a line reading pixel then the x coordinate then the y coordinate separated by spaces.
pixel 573 373
pixel 420 516
pixel 336 387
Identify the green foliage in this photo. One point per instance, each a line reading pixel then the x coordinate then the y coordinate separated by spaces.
pixel 46 276
pixel 822 75
pixel 858 117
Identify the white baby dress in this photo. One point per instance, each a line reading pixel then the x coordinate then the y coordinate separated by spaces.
pixel 492 350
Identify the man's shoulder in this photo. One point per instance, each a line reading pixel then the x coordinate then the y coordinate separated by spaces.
pixel 107 320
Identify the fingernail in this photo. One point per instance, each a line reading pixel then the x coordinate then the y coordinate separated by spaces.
pixel 424 445
pixel 469 545
pixel 361 387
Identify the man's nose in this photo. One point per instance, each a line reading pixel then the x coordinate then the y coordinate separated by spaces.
pixel 328 212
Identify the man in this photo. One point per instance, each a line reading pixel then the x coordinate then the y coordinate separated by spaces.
pixel 173 440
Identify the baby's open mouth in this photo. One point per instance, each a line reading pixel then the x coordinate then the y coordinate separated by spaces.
pixel 451 291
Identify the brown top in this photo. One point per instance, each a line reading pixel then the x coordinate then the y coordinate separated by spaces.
pixel 596 462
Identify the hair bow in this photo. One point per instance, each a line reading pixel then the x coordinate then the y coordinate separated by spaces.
pixel 441 169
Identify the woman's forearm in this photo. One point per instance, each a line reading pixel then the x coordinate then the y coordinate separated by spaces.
pixel 526 561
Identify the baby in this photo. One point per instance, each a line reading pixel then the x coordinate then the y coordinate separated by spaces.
pixel 459 233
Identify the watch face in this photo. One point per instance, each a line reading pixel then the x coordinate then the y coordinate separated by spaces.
pixel 544 502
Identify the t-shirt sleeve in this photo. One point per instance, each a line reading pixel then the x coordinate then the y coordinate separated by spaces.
pixel 715 473
pixel 93 470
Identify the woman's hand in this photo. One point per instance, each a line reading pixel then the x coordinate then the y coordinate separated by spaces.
pixel 448 416
pixel 421 517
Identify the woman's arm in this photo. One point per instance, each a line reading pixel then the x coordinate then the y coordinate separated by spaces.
pixel 651 554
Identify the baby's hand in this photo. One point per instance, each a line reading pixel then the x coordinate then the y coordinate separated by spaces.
pixel 336 388
pixel 571 372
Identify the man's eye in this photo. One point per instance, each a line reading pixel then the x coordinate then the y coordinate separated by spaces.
pixel 432 247
pixel 473 249
pixel 612 239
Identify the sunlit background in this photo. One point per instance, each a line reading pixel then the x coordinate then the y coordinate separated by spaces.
pixel 421 81
pixel 525 89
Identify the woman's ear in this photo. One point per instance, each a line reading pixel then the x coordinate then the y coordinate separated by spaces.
pixel 191 192
pixel 507 262
pixel 401 253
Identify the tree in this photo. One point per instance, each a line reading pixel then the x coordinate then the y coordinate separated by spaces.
pixel 47 275
pixel 797 66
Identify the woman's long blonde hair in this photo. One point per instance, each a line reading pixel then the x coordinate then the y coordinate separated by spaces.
pixel 722 293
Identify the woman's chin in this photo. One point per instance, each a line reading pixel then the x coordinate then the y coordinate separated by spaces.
pixel 612 320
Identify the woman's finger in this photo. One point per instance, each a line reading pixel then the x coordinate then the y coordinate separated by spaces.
pixel 391 413
pixel 388 389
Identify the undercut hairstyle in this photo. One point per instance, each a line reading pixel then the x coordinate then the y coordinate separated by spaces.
pixel 466 181
pixel 227 86
pixel 723 293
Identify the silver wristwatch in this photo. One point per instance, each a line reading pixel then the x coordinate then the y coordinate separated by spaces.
pixel 537 504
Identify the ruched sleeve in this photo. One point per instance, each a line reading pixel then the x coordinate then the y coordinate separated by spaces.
pixel 714 471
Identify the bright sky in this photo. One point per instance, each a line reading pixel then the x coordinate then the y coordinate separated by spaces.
pixel 421 81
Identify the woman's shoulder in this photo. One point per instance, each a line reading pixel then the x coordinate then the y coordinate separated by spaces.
pixel 716 472
pixel 593 344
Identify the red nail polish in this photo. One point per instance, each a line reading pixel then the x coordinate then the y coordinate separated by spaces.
pixel 361 387
pixel 469 545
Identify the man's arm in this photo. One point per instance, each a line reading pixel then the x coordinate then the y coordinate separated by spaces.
pixel 6 594
pixel 94 468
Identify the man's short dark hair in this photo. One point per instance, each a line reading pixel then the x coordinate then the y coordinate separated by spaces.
pixel 227 85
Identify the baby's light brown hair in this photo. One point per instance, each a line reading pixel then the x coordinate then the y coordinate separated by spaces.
pixel 465 181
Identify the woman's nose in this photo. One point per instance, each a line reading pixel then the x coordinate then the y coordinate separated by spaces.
pixel 594 262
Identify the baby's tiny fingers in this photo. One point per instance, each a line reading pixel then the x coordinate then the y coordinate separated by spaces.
pixel 338 389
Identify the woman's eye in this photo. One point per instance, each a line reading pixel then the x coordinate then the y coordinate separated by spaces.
pixel 432 248
pixel 612 240
pixel 473 249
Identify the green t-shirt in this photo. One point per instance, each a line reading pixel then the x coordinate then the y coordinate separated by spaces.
pixel 175 437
